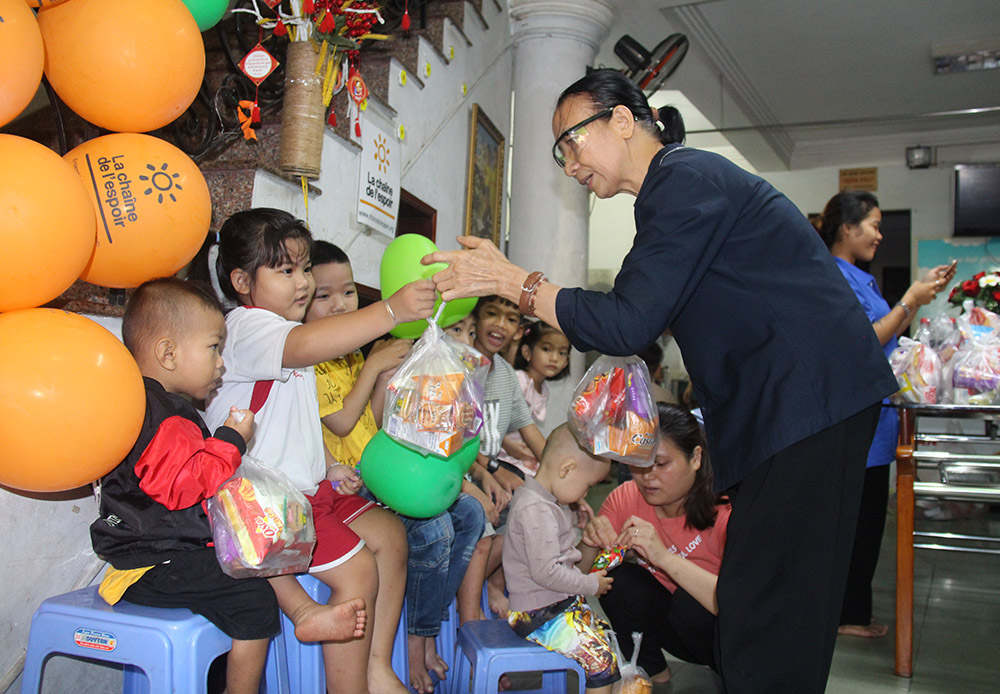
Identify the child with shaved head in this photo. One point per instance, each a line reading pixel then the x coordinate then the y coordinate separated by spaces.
pixel 152 529
pixel 545 587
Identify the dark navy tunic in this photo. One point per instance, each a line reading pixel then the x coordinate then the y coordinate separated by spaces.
pixel 775 342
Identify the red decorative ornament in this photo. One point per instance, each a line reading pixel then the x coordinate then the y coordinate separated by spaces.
pixel 405 24
pixel 280 29
pixel 308 7
pixel 256 65
pixel 328 24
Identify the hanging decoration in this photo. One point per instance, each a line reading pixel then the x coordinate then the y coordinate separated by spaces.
pixel 257 65
pixel 324 36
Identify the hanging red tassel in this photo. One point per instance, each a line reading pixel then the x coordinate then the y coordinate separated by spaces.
pixel 308 7
pixel 255 114
pixel 328 24
pixel 332 118
pixel 357 127
pixel 405 24
pixel 280 29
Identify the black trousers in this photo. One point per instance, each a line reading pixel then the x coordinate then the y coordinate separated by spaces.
pixel 857 607
pixel 788 546
pixel 675 622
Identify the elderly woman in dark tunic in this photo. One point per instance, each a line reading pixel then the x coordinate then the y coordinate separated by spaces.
pixel 784 362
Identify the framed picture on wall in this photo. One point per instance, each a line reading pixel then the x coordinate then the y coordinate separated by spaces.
pixel 484 196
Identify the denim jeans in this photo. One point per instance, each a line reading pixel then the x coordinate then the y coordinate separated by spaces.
pixel 440 550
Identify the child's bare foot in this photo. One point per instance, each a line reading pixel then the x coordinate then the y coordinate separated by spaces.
pixel 382 680
pixel 498 601
pixel 433 661
pixel 420 679
pixel 661 677
pixel 868 631
pixel 341 622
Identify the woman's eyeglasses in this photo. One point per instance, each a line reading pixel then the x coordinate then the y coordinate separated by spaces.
pixel 569 144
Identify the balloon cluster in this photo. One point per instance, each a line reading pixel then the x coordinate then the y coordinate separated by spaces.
pixel 115 211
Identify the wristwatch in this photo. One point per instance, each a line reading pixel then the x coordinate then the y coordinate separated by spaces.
pixel 492 466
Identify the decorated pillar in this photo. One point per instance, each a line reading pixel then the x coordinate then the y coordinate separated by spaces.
pixel 554 41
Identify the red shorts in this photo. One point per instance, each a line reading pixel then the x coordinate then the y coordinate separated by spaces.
pixel 335 542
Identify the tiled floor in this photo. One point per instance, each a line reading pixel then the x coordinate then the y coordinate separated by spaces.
pixel 956 623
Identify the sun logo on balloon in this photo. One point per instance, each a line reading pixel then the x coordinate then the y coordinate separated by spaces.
pixel 162 181
pixel 381 153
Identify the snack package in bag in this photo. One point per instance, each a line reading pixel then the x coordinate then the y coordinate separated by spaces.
pixel 634 679
pixel 433 404
pixel 612 412
pixel 976 372
pixel 261 524
pixel 918 372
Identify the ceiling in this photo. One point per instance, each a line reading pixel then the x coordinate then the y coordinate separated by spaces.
pixel 862 68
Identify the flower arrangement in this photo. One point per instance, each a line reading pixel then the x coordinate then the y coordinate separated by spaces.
pixel 983 289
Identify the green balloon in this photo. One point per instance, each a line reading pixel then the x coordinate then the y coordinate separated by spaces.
pixel 411 483
pixel 401 265
pixel 207 13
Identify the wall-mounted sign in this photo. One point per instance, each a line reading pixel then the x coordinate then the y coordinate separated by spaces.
pixel 378 187
pixel 859 179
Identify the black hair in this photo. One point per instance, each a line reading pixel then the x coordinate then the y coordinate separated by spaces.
pixel 533 334
pixel 652 356
pixel 248 241
pixel 682 430
pixel 846 208
pixel 607 88
pixel 162 306
pixel 324 252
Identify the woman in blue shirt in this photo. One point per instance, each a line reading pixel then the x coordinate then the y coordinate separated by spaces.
pixel 850 229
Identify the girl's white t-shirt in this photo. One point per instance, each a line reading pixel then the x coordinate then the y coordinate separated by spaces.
pixel 287 429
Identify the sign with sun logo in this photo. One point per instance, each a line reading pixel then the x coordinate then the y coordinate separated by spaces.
pixel 378 186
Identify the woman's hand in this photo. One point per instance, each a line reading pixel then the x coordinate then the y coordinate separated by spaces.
pixel 599 533
pixel 921 293
pixel 641 536
pixel 941 275
pixel 481 271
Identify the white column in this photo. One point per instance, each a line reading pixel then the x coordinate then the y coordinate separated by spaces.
pixel 554 41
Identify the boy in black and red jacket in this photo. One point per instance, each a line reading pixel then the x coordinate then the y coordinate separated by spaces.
pixel 153 529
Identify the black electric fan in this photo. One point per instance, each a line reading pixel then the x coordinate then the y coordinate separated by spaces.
pixel 650 69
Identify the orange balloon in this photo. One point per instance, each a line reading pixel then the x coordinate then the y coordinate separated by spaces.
pixel 44 3
pixel 46 224
pixel 153 207
pixel 71 400
pixel 125 65
pixel 21 58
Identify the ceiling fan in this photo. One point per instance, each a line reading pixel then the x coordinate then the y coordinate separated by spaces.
pixel 650 69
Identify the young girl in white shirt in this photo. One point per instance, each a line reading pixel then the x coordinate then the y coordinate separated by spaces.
pixel 263 264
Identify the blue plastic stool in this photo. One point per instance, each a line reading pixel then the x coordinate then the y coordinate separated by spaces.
pixel 488 649
pixel 162 650
pixel 305 660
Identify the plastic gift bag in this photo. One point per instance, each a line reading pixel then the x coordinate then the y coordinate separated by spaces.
pixel 433 404
pixel 918 372
pixel 261 524
pixel 613 413
pixel 634 679
pixel 976 364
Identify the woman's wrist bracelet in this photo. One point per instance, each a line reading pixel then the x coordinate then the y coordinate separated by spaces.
pixel 395 321
pixel 906 308
pixel 532 282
